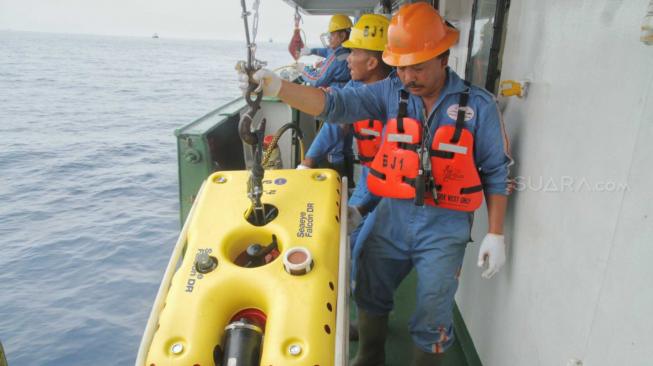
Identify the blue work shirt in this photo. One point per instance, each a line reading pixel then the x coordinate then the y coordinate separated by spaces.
pixel 334 70
pixel 362 197
pixel 321 51
pixel 380 100
pixel 332 142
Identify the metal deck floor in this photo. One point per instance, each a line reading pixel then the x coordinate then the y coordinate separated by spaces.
pixel 399 345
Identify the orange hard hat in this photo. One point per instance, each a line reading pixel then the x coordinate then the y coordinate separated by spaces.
pixel 417 33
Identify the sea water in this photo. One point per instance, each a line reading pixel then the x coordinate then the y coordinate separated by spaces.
pixel 88 183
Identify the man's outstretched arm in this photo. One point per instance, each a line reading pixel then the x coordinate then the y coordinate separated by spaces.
pixel 305 98
pixel 346 105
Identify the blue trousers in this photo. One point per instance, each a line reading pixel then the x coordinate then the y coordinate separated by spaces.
pixel 398 236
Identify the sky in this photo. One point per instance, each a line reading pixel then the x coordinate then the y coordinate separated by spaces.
pixel 201 19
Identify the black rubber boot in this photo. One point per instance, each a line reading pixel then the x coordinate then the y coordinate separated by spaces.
pixel 421 358
pixel 371 340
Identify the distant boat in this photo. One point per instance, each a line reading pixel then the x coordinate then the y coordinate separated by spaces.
pixel 155 35
pixel 271 40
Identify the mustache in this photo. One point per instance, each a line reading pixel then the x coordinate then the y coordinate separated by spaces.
pixel 413 84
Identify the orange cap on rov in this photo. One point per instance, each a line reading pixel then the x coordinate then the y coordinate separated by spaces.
pixel 417 33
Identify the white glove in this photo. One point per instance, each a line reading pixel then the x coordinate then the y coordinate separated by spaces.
pixel 268 81
pixel 302 167
pixel 305 51
pixel 493 248
pixel 354 218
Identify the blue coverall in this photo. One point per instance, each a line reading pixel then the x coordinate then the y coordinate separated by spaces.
pixel 399 235
pixel 331 141
pixel 361 197
pixel 334 70
pixel 336 145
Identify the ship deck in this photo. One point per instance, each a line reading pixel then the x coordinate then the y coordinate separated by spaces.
pixel 399 345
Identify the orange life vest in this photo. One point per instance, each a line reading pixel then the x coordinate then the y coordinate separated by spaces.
pixel 401 170
pixel 396 165
pixel 455 176
pixel 368 139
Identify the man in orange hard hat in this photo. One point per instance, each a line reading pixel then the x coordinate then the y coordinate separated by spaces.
pixel 443 148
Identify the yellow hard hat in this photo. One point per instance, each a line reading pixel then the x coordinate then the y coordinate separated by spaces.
pixel 369 33
pixel 339 22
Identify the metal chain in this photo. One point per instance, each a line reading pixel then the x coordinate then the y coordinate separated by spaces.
pixel 254 138
pixel 257 64
pixel 255 7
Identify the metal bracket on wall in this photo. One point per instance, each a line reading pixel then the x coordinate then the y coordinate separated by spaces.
pixel 514 88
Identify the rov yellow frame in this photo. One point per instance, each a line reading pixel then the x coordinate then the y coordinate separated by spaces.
pixel 192 309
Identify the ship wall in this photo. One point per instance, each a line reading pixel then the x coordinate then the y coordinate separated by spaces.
pixel 577 282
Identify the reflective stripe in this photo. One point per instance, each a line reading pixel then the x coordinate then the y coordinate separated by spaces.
pixel 367 131
pixel 400 137
pixel 453 148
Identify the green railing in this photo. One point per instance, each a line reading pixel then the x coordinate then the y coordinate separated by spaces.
pixel 206 145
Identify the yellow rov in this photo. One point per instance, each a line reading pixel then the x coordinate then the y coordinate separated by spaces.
pixel 274 294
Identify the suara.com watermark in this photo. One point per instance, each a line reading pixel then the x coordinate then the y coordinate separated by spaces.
pixel 566 183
